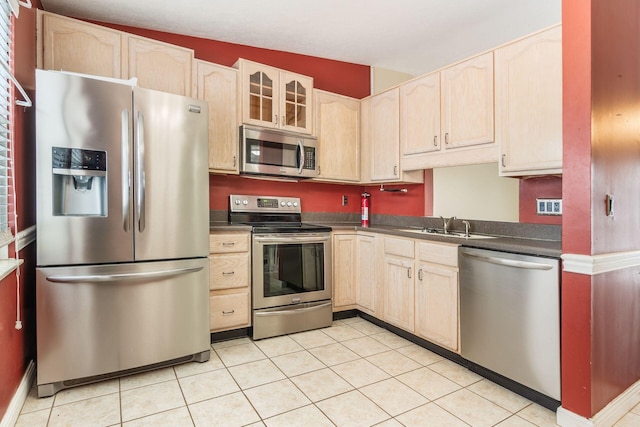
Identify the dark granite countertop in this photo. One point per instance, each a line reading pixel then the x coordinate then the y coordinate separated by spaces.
pixel 522 245
pixel 529 239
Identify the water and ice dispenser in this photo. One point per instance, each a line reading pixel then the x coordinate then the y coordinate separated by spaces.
pixel 79 182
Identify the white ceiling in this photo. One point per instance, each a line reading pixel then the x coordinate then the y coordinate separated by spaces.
pixel 411 36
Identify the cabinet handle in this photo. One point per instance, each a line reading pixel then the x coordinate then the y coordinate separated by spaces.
pixel 395 170
pixel 228 243
pixel 228 273
pixel 420 274
pixel 282 120
pixel 435 140
pixel 275 122
pixel 446 138
pixel 504 160
pixel 226 313
pixel 234 161
pixel 409 272
pixel 319 171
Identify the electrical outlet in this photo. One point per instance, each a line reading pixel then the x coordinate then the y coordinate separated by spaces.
pixel 345 200
pixel 549 206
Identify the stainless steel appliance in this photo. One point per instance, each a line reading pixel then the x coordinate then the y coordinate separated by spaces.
pixel 274 152
pixel 291 267
pixel 510 316
pixel 122 229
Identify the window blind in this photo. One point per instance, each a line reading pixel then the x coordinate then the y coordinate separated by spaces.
pixel 6 97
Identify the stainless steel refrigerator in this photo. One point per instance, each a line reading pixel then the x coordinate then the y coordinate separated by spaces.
pixel 122 230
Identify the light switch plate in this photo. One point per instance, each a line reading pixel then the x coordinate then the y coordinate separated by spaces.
pixel 549 206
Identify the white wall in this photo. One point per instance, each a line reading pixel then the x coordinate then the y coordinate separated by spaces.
pixel 475 192
pixel 382 79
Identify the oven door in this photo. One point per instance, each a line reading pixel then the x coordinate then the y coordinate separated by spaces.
pixel 291 269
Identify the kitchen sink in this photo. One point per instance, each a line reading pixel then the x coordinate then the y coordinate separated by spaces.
pixel 436 232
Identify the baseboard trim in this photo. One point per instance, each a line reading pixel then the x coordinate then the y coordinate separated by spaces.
pixel 607 416
pixel 13 411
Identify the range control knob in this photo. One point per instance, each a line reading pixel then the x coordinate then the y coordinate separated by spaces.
pixel 236 201
pixel 289 204
pixel 245 202
pixel 283 203
pixel 295 204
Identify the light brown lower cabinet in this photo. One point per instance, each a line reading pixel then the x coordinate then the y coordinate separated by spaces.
pixel 229 281
pixel 436 309
pixel 399 288
pixel 409 283
pixel 344 273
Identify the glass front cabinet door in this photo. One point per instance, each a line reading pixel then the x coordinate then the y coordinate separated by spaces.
pixel 275 98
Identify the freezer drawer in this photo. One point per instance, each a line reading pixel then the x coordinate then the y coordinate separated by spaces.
pixel 97 320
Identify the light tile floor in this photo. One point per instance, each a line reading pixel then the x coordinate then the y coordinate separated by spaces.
pixel 351 374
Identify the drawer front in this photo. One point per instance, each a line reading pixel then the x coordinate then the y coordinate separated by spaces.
pixel 229 242
pixel 399 247
pixel 229 271
pixel 439 253
pixel 229 311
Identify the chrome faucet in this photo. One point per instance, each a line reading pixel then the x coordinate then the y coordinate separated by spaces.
pixel 467 226
pixel 447 223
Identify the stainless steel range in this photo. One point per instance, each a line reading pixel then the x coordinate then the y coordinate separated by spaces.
pixel 291 265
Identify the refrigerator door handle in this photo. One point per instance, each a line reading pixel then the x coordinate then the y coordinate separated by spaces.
pixel 100 278
pixel 126 172
pixel 140 172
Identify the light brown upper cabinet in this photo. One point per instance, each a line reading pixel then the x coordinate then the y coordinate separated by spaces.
pixel 380 140
pixel 420 115
pixel 529 104
pixel 337 125
pixel 467 102
pixel 66 44
pixel 159 66
pixel 447 117
pixel 217 85
pixel 275 98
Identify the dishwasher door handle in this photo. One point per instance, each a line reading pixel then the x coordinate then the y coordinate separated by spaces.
pixel 509 262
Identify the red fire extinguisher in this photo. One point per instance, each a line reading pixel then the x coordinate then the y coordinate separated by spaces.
pixel 365 209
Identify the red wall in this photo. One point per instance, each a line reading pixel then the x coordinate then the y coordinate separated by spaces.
pixel 546 187
pixel 18 347
pixel 600 313
pixel 334 76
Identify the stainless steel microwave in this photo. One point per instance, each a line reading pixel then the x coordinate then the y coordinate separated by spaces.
pixel 273 152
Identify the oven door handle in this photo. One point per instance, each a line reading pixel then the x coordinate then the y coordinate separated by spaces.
pixel 292 239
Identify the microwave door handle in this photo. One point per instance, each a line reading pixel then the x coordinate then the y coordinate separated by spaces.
pixel 140 173
pixel 126 172
pixel 301 148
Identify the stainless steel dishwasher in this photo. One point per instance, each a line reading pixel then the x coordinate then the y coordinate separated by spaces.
pixel 510 316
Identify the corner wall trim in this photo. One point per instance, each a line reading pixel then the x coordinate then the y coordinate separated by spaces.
pixel 25 237
pixel 13 411
pixel 607 416
pixel 597 264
